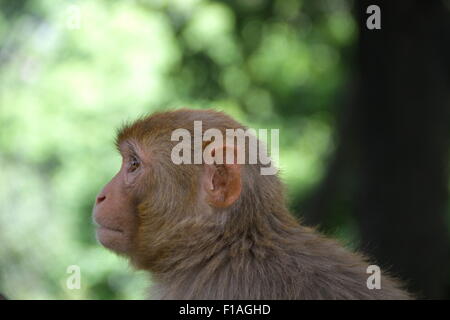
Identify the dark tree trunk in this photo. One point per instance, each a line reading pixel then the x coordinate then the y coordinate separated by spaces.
pixel 395 136
pixel 402 128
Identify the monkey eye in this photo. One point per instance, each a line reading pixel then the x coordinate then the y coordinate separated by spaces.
pixel 133 164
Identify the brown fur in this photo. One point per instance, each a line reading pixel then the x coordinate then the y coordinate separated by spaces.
pixel 253 249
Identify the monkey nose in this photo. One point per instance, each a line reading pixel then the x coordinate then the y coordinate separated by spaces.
pixel 100 199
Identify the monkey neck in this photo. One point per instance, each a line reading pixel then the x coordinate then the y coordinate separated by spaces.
pixel 218 247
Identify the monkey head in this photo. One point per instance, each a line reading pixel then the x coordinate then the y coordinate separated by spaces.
pixel 151 204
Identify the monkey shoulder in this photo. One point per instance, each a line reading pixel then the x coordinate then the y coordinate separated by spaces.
pixel 312 266
pixel 328 270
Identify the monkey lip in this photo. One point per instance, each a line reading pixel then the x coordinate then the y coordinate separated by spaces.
pixel 103 228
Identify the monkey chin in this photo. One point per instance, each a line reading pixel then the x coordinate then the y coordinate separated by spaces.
pixel 114 240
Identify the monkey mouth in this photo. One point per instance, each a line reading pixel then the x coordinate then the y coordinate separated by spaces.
pixel 110 229
pixel 104 228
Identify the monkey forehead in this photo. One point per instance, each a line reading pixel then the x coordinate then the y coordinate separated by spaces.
pixel 162 124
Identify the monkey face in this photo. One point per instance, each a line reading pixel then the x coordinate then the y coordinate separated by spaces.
pixel 114 212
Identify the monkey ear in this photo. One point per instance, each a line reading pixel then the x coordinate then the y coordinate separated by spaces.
pixel 222 181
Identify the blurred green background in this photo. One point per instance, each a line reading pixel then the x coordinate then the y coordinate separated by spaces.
pixel 71 72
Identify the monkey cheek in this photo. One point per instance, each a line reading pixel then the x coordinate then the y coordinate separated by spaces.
pixel 111 239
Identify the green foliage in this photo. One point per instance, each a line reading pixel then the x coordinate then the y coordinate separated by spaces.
pixel 64 90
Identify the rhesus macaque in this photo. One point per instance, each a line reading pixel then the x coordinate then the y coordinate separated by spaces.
pixel 218 231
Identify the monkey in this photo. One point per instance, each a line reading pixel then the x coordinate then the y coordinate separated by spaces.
pixel 218 230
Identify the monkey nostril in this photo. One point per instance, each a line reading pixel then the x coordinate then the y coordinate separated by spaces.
pixel 100 199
